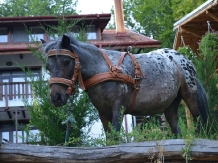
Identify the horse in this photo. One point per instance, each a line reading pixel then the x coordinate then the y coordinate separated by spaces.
pixel 159 79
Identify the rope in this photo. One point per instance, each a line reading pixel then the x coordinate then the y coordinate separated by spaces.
pixel 182 39
pixel 183 42
pixel 209 27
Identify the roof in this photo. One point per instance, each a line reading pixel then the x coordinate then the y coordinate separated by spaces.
pixel 198 10
pixel 111 40
pixel 101 19
pixel 194 25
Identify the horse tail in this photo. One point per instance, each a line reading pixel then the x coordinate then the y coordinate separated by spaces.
pixel 202 102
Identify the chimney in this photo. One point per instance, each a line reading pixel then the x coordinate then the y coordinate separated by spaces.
pixel 119 18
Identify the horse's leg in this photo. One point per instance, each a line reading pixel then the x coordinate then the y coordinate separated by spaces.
pixel 190 98
pixel 114 118
pixel 117 117
pixel 171 114
pixel 191 101
pixel 105 120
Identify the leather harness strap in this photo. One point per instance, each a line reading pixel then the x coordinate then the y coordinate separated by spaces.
pixel 115 74
pixel 138 75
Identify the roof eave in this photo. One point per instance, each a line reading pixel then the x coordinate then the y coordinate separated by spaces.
pixel 205 6
pixel 126 44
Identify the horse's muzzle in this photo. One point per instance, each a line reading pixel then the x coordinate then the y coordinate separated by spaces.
pixel 57 99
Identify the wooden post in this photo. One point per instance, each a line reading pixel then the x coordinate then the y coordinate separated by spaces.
pixel 119 18
pixel 188 115
pixel 16 126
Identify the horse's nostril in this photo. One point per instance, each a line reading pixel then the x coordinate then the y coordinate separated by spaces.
pixel 56 98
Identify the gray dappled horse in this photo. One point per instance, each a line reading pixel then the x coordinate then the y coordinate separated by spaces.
pixel 166 77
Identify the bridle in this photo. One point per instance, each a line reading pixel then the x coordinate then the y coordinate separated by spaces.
pixel 77 73
pixel 114 73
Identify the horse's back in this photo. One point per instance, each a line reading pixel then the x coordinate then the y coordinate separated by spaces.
pixel 186 66
pixel 161 83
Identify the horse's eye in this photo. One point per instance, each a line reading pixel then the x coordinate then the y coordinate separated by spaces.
pixel 66 62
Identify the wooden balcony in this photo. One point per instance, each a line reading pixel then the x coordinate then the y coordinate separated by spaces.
pixel 14 91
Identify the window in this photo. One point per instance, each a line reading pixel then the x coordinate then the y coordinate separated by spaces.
pixel 20 34
pixel 3 35
pixel 36 34
pixel 53 34
pixel 75 31
pixel 91 32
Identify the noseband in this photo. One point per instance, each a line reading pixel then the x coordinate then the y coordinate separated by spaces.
pixel 77 73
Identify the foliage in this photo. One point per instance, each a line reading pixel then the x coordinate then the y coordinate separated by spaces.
pixel 156 153
pixel 182 7
pixel 37 8
pixel 155 18
pixel 186 152
pixel 187 51
pixel 85 115
pixel 45 116
pixel 207 63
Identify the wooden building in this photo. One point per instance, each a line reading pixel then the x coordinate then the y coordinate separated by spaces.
pixel 191 28
pixel 14 41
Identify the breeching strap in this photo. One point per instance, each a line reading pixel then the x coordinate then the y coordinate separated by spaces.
pixel 114 74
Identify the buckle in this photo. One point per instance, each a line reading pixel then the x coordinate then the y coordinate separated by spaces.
pixel 137 86
pixel 112 68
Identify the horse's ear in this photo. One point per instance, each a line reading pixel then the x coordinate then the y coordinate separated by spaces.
pixel 65 42
pixel 43 42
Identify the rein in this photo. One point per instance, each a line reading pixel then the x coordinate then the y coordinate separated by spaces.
pixel 114 73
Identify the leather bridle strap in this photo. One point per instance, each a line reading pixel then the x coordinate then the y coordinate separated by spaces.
pixel 77 73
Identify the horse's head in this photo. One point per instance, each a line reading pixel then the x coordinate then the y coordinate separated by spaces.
pixel 60 63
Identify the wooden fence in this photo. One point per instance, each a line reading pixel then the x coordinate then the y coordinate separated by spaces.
pixel 202 151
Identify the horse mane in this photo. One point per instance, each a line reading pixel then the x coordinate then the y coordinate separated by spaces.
pixel 75 44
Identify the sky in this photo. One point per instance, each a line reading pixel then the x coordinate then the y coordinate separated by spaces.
pixel 94 6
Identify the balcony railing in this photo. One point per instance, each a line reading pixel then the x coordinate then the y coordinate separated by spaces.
pixel 14 90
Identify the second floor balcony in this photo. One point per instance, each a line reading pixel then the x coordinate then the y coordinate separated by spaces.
pixel 11 93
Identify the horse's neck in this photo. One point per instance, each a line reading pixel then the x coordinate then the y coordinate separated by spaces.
pixel 92 62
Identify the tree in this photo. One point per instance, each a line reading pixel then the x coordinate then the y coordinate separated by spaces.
pixel 206 64
pixel 155 18
pixel 183 7
pixel 37 7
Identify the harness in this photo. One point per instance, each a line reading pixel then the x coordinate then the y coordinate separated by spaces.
pixel 114 73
